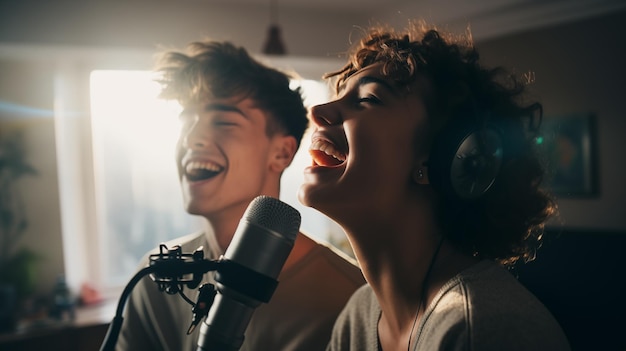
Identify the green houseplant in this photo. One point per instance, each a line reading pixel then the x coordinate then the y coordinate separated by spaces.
pixel 17 264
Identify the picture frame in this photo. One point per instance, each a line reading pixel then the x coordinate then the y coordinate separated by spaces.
pixel 568 144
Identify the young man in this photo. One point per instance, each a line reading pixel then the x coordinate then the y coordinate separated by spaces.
pixel 241 126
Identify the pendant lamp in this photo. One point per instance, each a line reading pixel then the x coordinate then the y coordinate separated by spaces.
pixel 274 44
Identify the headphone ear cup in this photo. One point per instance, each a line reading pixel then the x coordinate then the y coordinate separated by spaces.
pixel 465 163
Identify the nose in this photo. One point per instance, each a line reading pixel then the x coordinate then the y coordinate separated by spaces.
pixel 326 114
pixel 195 135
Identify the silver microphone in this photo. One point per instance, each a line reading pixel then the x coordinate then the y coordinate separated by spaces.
pixel 247 272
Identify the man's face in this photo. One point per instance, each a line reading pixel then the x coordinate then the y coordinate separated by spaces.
pixel 223 156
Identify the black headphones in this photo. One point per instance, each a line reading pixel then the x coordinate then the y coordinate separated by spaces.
pixel 465 160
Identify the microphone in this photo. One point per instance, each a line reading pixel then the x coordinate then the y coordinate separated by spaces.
pixel 247 272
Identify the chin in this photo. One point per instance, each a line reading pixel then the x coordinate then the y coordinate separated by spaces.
pixel 194 207
pixel 302 196
pixel 321 199
pixel 193 210
pixel 309 195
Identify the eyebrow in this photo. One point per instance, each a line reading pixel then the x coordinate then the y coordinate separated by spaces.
pixel 223 108
pixel 370 80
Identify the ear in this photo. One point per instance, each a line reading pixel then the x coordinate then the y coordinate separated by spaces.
pixel 282 152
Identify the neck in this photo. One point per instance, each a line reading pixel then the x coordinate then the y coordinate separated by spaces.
pixel 402 285
pixel 225 223
pixel 395 257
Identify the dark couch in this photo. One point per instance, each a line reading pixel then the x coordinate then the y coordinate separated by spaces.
pixel 580 276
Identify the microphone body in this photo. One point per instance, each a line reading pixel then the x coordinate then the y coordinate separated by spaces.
pixel 246 276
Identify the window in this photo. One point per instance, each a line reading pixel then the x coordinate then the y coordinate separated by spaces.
pixel 136 200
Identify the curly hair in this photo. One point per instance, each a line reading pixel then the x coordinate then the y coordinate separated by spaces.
pixel 222 70
pixel 507 223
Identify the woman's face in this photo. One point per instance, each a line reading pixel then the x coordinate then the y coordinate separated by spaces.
pixel 365 146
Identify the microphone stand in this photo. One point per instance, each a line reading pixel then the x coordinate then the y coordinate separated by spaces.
pixel 167 269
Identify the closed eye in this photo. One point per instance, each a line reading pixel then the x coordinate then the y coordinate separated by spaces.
pixel 368 99
pixel 224 123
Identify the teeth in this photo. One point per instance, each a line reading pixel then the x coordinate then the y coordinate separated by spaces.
pixel 197 165
pixel 328 149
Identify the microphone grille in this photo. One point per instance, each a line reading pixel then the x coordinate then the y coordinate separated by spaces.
pixel 273 214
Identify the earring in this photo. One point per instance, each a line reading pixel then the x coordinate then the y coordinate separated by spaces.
pixel 418 175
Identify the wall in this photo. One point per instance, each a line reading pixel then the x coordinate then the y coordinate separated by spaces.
pixel 579 68
pixel 28 84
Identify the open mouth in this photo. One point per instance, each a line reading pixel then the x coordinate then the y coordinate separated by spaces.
pixel 325 154
pixel 202 170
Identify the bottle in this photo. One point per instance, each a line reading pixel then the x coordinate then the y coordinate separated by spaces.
pixel 63 302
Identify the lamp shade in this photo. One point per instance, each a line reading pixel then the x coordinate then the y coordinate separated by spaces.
pixel 274 44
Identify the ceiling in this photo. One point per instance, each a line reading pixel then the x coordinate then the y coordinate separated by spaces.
pixel 488 18
pixel 312 28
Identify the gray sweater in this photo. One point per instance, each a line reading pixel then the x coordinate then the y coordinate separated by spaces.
pixel 482 308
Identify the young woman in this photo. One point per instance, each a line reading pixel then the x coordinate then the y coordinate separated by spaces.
pixel 426 160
